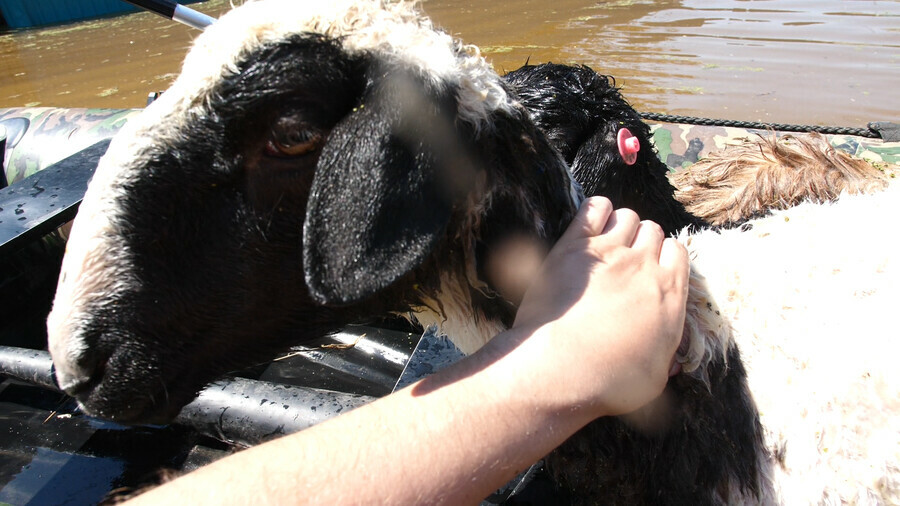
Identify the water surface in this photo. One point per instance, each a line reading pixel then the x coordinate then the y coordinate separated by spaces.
pixel 834 62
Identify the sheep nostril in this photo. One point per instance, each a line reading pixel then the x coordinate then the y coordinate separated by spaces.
pixel 76 377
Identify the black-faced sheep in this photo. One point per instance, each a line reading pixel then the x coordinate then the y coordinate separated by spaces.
pixel 585 117
pixel 580 112
pixel 243 212
pixel 323 155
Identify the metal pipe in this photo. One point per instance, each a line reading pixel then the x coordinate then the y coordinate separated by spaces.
pixel 30 366
pixel 176 12
pixel 249 411
pixel 239 410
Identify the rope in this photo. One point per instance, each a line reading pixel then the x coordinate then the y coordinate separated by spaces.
pixel 669 118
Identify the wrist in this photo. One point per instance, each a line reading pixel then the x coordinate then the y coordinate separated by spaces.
pixel 530 363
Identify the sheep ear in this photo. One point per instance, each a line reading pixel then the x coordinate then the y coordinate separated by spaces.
pixel 376 208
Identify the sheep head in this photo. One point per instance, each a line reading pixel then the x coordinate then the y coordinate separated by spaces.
pixel 582 113
pixel 315 164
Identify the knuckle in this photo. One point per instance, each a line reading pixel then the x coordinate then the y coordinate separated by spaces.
pixel 601 204
pixel 651 227
pixel 627 215
pixel 595 214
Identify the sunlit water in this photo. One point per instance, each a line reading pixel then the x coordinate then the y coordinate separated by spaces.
pixel 833 62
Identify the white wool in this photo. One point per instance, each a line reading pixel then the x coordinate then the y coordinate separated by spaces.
pixel 810 293
pixel 395 31
pixel 391 31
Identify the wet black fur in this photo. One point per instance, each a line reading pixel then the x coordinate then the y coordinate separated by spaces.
pixel 238 254
pixel 581 112
pixel 713 437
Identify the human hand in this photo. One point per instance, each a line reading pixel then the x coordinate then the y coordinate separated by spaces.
pixel 606 313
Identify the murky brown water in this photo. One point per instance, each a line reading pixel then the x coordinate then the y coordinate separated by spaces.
pixel 833 62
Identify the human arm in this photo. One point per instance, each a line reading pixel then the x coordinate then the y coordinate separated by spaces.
pixel 456 436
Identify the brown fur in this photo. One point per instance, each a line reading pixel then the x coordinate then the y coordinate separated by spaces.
pixel 749 179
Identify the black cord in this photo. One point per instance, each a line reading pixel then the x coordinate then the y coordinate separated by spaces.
pixel 669 118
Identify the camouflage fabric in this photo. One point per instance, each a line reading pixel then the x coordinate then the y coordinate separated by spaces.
pixel 37 138
pixel 54 133
pixel 680 145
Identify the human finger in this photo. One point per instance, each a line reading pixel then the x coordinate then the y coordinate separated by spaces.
pixel 622 226
pixel 649 238
pixel 590 219
pixel 673 255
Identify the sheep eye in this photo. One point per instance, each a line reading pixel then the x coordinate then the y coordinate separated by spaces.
pixel 290 138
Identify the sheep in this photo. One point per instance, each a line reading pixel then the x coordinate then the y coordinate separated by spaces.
pixel 751 178
pixel 789 395
pixel 582 113
pixel 232 219
pixel 726 189
pixel 309 169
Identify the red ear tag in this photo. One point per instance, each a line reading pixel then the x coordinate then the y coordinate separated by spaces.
pixel 629 145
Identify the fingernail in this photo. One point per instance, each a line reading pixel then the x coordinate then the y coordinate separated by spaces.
pixel 674 369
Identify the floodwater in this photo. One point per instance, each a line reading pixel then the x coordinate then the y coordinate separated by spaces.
pixel 832 62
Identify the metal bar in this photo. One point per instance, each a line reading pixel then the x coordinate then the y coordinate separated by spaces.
pixel 30 366
pixel 175 12
pixel 239 410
